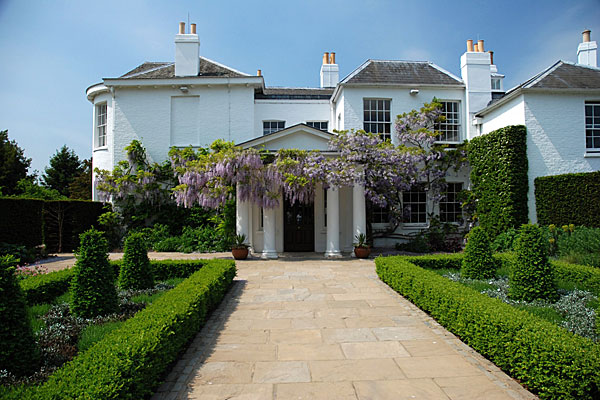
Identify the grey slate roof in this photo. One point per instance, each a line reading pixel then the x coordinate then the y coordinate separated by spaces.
pixel 166 70
pixel 294 93
pixel 401 72
pixel 564 75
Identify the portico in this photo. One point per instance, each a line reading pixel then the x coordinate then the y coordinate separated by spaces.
pixel 328 225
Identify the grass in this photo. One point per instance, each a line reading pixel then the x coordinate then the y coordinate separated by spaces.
pixel 94 333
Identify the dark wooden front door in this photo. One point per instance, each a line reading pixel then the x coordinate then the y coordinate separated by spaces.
pixel 298 227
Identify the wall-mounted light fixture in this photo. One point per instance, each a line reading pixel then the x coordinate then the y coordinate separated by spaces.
pixel 414 91
pixel 184 89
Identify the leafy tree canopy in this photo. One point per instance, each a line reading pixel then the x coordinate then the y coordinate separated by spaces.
pixel 81 186
pixel 13 164
pixel 64 167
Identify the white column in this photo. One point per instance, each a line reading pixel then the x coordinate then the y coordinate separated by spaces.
pixel 241 216
pixel 332 249
pixel 269 234
pixel 359 213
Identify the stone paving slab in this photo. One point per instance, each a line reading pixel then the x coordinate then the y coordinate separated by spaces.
pixel 327 329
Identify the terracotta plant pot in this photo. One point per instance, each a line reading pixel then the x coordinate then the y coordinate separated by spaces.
pixel 362 252
pixel 240 254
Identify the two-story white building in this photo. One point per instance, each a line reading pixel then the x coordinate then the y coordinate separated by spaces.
pixel 194 101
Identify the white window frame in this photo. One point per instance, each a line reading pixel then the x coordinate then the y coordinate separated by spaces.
pixel 440 126
pixel 376 122
pixel 419 223
pixel 498 83
pixel 443 201
pixel 101 125
pixel 268 131
pixel 592 123
pixel 320 123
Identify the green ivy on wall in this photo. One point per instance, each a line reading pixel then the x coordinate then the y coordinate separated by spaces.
pixel 499 178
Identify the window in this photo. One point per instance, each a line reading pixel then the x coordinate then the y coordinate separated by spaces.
pixel 272 126
pixel 377 117
pixel 592 126
pixel 325 206
pixel 450 207
pixel 101 125
pixel 320 125
pixel 380 215
pixel 414 204
pixel 261 220
pixel 496 84
pixel 450 127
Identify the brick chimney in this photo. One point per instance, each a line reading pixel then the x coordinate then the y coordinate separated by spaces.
pixel 187 51
pixel 330 71
pixel 587 50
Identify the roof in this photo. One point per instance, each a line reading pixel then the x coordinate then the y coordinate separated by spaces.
pixel 165 70
pixel 294 93
pixel 291 132
pixel 562 75
pixel 401 72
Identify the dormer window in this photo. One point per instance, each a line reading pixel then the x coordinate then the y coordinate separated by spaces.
pixel 496 84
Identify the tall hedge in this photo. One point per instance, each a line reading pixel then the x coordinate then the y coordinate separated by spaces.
pixel 21 221
pixel 55 223
pixel 499 178
pixel 568 199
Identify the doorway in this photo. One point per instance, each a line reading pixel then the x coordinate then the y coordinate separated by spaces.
pixel 298 227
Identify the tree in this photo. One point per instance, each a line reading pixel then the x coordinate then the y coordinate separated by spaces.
pixel 13 164
pixel 81 186
pixel 64 167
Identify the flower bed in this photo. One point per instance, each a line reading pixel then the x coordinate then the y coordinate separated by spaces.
pixel 129 361
pixel 546 359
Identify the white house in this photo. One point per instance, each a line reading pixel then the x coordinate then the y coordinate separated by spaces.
pixel 195 100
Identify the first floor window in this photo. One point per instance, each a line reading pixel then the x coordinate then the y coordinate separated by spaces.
pixel 450 127
pixel 320 125
pixel 377 118
pixel 592 126
pixel 414 205
pixel 450 206
pixel 101 125
pixel 272 126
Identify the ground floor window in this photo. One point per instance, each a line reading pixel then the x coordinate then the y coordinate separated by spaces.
pixel 450 206
pixel 414 205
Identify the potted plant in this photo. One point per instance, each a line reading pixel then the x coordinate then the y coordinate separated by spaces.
pixel 239 248
pixel 361 248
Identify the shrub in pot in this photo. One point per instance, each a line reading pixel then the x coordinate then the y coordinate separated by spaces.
pixel 239 248
pixel 361 248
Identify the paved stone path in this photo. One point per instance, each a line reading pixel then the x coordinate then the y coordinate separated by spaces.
pixel 320 329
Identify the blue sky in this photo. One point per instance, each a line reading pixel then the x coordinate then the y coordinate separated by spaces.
pixel 51 51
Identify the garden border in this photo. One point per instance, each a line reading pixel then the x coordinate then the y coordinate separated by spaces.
pixel 545 358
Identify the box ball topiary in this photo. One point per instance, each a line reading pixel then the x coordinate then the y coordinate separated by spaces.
pixel 478 262
pixel 135 269
pixel 93 282
pixel 19 354
pixel 531 275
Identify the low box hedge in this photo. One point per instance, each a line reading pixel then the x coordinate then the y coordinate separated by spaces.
pixel 583 276
pixel 546 359
pixel 128 363
pixel 46 287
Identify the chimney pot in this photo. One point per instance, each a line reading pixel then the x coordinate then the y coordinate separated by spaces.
pixel 475 49
pixel 182 28
pixel 332 58
pixel 193 29
pixel 491 57
pixel 586 35
pixel 326 58
pixel 480 45
pixel 259 72
pixel 470 45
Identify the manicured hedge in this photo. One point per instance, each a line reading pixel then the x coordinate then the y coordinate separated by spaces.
pixel 21 221
pixel 31 222
pixel 129 362
pixel 46 287
pixel 583 276
pixel 499 178
pixel 546 359
pixel 568 199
